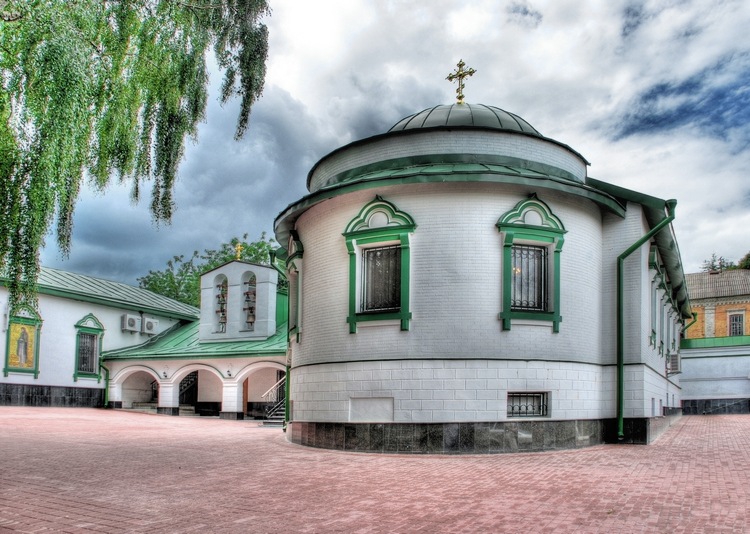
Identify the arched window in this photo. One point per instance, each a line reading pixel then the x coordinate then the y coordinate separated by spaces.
pixel 378 243
pixel 532 241
pixel 221 295
pixel 249 300
pixel 88 348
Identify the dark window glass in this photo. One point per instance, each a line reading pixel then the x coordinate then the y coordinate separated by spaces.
pixel 736 326
pixel 87 353
pixel 529 287
pixel 381 279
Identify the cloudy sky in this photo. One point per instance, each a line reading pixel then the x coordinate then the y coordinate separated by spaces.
pixel 655 94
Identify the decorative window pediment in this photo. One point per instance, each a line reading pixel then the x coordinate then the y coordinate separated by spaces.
pixel 379 215
pixel 378 243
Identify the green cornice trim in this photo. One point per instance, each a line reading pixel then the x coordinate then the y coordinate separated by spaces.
pixel 285 220
pixel 441 163
pixel 430 131
pixel 194 356
pixel 114 303
pixel 710 342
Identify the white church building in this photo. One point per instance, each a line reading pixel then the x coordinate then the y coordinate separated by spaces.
pixel 459 284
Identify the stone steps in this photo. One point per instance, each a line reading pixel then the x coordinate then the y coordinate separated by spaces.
pixel 186 410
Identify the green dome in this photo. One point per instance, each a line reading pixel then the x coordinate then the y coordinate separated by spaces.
pixel 465 115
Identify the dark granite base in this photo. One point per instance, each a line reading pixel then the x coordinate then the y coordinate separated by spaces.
pixel 208 409
pixel 54 396
pixel 474 438
pixel 715 406
pixel 234 416
pixel 116 405
pixel 449 438
pixel 171 410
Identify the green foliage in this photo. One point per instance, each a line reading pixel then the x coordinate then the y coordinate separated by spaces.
pixel 717 263
pixel 107 88
pixel 181 279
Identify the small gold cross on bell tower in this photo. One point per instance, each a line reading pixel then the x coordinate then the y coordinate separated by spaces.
pixel 459 75
pixel 238 249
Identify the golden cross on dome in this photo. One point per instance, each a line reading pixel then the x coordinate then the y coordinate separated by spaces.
pixel 238 248
pixel 459 75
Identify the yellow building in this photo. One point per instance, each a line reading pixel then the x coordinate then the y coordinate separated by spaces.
pixel 716 349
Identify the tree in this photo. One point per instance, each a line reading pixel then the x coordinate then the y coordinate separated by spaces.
pixel 715 263
pixel 744 262
pixel 181 279
pixel 105 88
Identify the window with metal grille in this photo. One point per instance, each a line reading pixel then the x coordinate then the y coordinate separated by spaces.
pixel 736 324
pixel 529 285
pixel 381 278
pixel 527 404
pixel 88 354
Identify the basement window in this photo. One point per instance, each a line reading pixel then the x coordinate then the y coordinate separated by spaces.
pixel 527 404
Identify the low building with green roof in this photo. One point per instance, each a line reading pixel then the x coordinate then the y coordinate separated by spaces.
pixel 94 342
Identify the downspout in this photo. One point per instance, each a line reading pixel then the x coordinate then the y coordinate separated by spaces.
pixel 670 205
pixel 691 323
pixel 106 384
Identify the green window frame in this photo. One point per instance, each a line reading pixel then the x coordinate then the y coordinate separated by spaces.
pixel 22 341
pixel 379 225
pixel 531 223
pixel 89 335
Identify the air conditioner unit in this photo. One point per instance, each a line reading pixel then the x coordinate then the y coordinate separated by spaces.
pixel 673 363
pixel 150 326
pixel 130 322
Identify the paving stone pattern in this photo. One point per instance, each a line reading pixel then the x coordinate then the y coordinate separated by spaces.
pixel 90 470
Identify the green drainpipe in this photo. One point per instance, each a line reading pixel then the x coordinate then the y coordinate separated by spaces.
pixel 691 323
pixel 670 205
pixel 106 385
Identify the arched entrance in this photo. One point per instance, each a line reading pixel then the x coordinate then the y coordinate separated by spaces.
pixel 136 389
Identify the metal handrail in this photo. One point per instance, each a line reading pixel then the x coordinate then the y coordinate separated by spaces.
pixel 273 388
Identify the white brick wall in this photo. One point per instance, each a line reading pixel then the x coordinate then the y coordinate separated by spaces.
pixel 451 390
pixel 455 280
pixel 456 142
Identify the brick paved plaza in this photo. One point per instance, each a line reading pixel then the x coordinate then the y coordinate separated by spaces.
pixel 86 470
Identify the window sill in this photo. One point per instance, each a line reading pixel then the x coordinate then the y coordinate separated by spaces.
pixel 530 318
pixel 379 319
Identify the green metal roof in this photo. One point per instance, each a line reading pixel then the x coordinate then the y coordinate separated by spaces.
pixel 475 115
pixel 654 210
pixel 183 342
pixel 95 290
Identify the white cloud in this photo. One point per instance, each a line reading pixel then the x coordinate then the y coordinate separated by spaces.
pixel 590 73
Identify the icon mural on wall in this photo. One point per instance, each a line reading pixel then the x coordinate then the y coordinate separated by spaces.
pixel 22 342
pixel 21 345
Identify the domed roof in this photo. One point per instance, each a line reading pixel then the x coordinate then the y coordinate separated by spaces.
pixel 465 115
